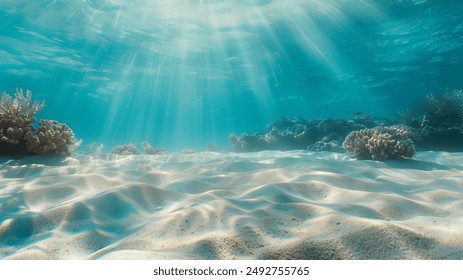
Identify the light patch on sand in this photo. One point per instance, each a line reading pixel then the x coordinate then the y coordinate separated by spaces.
pixel 265 205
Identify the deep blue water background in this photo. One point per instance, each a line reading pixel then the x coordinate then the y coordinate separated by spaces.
pixel 183 74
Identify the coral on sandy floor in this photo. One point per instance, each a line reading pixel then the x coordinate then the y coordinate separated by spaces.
pixel 19 137
pixel 380 143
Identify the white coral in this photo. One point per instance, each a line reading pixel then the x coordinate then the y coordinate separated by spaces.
pixel 16 116
pixel 18 111
pixel 128 149
pixel 52 137
pixel 13 135
pixel 19 136
pixel 380 143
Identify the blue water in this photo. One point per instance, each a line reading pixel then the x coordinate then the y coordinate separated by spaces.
pixel 183 74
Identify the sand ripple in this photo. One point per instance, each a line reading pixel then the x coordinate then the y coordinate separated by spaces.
pixel 266 205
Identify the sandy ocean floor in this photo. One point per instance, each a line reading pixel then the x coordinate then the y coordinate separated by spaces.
pixel 265 205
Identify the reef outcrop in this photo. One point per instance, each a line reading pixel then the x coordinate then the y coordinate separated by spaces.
pixel 18 135
pixel 380 143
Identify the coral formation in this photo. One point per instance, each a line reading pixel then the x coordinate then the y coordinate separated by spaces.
pixel 149 150
pixel 445 109
pixel 16 116
pixel 297 133
pixel 131 149
pixel 328 146
pixel 19 137
pixel 51 137
pixel 247 143
pixel 437 122
pixel 380 143
pixel 128 149
pixel 20 111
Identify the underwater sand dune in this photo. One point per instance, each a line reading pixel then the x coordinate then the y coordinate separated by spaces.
pixel 265 205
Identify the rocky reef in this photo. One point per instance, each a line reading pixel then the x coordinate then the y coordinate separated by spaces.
pixel 434 124
pixel 298 133
pixel 437 122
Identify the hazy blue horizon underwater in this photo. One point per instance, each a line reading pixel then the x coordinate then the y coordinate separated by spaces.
pixel 183 74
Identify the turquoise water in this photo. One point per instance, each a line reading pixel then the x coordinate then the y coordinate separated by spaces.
pixel 183 74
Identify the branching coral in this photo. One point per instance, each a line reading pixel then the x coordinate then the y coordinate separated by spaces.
pixel 13 135
pixel 16 116
pixel 19 137
pixel 380 143
pixel 437 122
pixel 51 137
pixel 444 108
pixel 18 111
